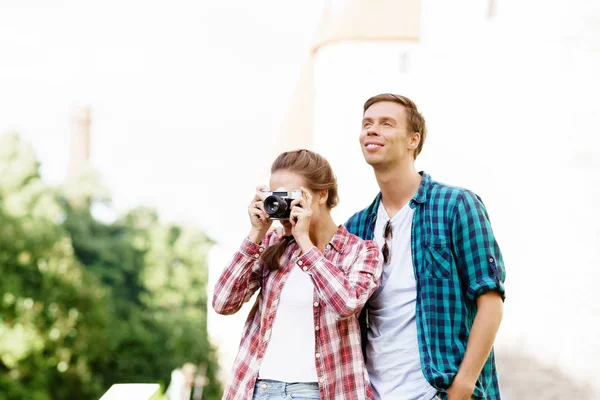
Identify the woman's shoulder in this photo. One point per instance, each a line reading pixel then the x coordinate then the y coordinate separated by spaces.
pixel 355 243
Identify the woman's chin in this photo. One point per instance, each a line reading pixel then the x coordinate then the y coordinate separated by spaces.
pixel 287 227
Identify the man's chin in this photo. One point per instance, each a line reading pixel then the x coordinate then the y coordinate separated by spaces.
pixel 373 161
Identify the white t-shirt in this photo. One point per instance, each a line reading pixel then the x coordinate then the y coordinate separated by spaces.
pixel 393 359
pixel 290 353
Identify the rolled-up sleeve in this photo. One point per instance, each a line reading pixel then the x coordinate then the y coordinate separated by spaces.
pixel 478 257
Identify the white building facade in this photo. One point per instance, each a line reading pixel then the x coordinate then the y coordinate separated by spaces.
pixel 509 90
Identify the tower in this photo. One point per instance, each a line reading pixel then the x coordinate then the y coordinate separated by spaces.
pixel 80 141
pixel 396 22
pixel 76 185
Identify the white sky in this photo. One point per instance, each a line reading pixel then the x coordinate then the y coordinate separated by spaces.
pixel 185 95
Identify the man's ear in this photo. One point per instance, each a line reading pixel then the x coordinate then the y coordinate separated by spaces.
pixel 415 139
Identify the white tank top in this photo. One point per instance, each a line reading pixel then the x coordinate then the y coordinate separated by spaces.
pixel 290 352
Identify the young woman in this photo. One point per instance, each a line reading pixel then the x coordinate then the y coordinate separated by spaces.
pixel 301 339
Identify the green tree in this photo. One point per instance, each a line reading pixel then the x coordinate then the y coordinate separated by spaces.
pixel 85 304
pixel 52 313
pixel 175 280
pixel 157 273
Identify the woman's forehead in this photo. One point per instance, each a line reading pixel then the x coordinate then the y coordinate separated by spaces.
pixel 286 179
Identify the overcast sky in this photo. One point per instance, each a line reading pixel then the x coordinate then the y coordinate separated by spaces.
pixel 185 95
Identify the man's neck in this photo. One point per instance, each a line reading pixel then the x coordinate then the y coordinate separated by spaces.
pixel 398 185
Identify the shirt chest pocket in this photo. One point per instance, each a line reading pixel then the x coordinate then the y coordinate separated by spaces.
pixel 438 257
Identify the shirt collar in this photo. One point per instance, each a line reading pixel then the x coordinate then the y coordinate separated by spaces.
pixel 338 241
pixel 419 197
pixel 340 238
pixel 423 193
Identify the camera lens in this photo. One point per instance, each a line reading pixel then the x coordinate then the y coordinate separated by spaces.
pixel 275 206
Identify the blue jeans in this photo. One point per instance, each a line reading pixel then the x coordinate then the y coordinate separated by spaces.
pixel 267 389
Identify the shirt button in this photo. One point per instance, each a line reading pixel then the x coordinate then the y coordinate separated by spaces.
pixel 261 249
pixel 318 355
pixel 322 380
pixel 491 259
pixel 316 304
pixel 263 386
pixel 328 247
pixel 316 328
pixel 256 256
pixel 305 268
pixel 299 262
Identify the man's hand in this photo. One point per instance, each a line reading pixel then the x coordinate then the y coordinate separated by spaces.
pixel 481 340
pixel 460 390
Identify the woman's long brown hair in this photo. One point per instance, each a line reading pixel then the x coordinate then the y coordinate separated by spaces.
pixel 317 175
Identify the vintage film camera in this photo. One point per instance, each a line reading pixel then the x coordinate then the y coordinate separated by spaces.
pixel 278 203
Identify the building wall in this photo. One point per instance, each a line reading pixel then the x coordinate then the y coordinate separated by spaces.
pixel 511 104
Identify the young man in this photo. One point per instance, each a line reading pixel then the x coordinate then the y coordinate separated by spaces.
pixel 429 329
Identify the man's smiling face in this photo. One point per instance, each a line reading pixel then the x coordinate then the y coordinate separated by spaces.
pixel 385 139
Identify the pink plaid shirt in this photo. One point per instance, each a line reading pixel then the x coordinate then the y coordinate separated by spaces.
pixel 344 277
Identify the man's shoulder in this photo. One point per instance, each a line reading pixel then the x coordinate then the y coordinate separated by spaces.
pixel 443 194
pixel 357 221
pixel 358 216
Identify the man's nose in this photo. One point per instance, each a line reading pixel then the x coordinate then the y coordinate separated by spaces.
pixel 373 131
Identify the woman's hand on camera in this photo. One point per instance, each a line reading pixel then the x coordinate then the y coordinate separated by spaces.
pixel 300 217
pixel 258 217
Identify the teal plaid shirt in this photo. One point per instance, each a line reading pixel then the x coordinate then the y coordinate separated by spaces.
pixel 456 259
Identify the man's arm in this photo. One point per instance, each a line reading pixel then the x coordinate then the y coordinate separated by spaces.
pixel 480 265
pixel 483 333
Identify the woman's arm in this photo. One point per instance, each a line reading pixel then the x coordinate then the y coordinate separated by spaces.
pixel 345 292
pixel 243 275
pixel 240 280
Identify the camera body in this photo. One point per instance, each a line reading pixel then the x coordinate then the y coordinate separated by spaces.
pixel 278 203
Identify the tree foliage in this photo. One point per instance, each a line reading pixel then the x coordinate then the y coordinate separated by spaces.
pixel 85 303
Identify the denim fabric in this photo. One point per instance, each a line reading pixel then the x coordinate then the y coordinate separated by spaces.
pixel 275 390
